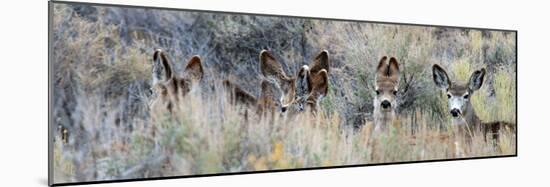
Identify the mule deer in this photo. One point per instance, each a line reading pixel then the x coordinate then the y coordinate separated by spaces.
pixel 460 107
pixel 282 93
pixel 168 87
pixel 386 84
pixel 306 89
pixel 386 87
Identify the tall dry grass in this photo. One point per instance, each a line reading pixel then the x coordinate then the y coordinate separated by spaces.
pixel 217 139
pixel 102 65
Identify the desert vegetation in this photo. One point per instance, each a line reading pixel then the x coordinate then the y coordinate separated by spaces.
pixel 102 63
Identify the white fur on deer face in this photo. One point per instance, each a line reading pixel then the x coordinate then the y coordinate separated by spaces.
pixel 302 91
pixel 386 88
pixel 385 99
pixel 458 103
pixel 458 95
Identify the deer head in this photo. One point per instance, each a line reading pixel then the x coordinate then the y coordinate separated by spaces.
pixel 458 94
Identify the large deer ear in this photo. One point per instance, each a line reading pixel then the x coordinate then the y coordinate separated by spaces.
pixel 194 70
pixel 440 77
pixel 320 62
pixel 162 70
pixel 382 67
pixel 393 69
pixel 270 67
pixel 476 79
pixel 319 83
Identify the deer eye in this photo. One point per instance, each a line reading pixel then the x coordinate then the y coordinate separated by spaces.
pixel 449 96
pixel 394 92
pixel 377 92
pixel 466 96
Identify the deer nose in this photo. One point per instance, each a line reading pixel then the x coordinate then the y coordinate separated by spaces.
pixel 283 109
pixel 455 112
pixel 385 104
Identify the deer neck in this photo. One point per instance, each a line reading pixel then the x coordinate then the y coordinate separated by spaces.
pixel 382 119
pixel 470 117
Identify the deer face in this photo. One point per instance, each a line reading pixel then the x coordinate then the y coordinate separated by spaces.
pixel 168 87
pixel 304 91
pixel 311 84
pixel 458 94
pixel 386 86
pixel 277 84
pixel 311 88
pixel 271 98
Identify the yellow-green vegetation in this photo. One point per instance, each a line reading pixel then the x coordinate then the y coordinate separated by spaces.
pixel 101 91
pixel 501 106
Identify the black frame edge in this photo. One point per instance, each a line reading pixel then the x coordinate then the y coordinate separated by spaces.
pixel 50 94
pixel 277 170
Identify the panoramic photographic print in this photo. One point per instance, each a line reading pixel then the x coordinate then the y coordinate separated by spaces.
pixel 149 93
